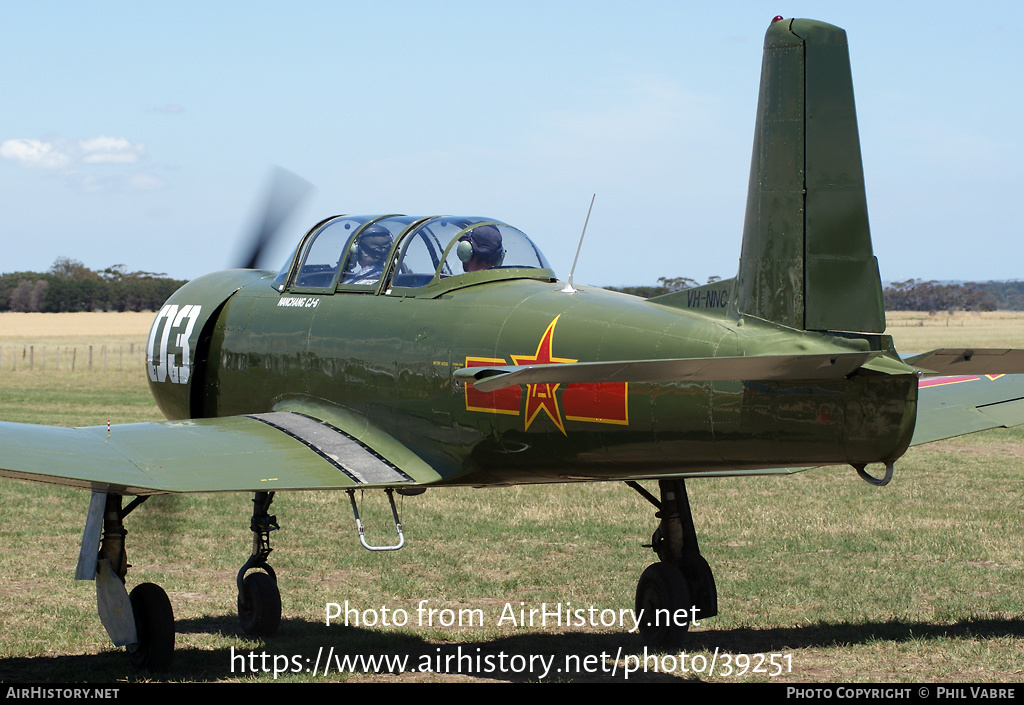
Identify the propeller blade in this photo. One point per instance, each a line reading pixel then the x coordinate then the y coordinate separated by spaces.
pixel 284 195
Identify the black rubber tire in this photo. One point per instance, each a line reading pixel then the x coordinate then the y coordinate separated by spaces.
pixel 705 593
pixel 259 605
pixel 662 587
pixel 154 625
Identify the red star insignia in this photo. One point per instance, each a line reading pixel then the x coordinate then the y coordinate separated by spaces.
pixel 541 397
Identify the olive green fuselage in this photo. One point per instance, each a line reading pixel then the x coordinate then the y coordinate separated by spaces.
pixel 389 359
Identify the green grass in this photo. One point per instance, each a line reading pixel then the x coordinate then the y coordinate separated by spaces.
pixel 917 581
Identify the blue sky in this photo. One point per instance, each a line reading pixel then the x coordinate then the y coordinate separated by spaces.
pixel 144 134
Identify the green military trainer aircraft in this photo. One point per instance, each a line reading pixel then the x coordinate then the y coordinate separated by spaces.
pixel 398 353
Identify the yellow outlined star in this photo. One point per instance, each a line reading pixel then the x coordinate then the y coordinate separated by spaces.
pixel 541 397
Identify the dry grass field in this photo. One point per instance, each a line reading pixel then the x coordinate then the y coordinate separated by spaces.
pixel 841 581
pixel 54 340
pixel 64 327
pixel 918 332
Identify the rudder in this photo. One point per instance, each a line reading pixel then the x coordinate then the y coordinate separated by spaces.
pixel 806 261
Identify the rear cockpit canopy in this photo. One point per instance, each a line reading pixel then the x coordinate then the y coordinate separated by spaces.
pixel 403 254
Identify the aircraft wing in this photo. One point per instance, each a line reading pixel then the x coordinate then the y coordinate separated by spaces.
pixel 765 367
pixel 957 405
pixel 282 450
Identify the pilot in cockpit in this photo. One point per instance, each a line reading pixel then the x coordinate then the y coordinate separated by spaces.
pixel 480 248
pixel 368 262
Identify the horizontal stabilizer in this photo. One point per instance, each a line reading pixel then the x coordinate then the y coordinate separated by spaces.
pixel 969 361
pixel 767 367
pixel 953 406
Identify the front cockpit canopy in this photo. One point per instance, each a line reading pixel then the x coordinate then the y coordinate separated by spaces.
pixel 382 253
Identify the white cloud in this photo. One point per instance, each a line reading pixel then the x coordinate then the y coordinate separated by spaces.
pixel 91 165
pixel 110 150
pixel 64 154
pixel 35 153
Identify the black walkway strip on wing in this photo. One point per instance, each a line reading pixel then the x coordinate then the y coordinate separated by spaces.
pixel 358 461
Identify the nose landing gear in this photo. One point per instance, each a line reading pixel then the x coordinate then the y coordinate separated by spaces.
pixel 259 600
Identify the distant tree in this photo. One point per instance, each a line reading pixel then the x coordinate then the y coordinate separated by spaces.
pixel 28 295
pixel 1008 295
pixel 678 283
pixel 116 272
pixel 137 291
pixel 918 295
pixel 9 282
pixel 644 292
pixel 21 296
pixel 67 268
pixel 37 300
pixel 71 286
pixel 666 285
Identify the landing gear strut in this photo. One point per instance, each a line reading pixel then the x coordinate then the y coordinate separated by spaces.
pixel 147 628
pixel 680 589
pixel 259 600
pixel 144 621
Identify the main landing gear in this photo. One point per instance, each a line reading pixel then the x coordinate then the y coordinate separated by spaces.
pixel 144 621
pixel 679 589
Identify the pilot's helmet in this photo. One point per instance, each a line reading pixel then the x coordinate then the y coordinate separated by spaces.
pixel 483 242
pixel 374 242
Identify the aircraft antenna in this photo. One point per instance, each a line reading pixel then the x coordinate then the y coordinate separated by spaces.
pixel 568 285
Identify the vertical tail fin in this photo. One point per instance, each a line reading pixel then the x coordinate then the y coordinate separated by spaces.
pixel 806 260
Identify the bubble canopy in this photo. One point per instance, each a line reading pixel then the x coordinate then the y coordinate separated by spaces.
pixel 401 254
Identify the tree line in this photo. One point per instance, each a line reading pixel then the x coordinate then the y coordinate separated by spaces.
pixel 909 295
pixel 71 286
pixel 918 295
pixel 666 285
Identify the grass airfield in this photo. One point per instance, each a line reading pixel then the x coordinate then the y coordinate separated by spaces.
pixel 917 581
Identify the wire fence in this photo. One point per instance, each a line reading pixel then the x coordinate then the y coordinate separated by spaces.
pixel 72 358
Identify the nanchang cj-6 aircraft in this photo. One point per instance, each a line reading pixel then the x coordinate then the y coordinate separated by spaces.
pixel 399 353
